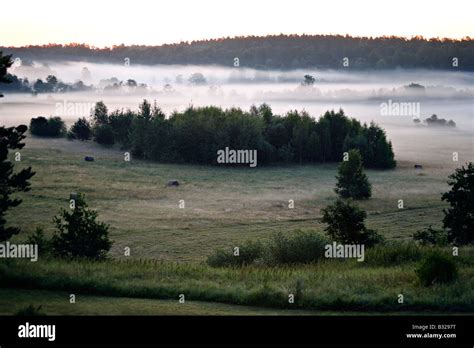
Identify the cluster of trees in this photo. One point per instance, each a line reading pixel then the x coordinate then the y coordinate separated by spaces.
pixel 47 127
pixel 16 84
pixel 195 135
pixel 50 85
pixel 435 121
pixel 11 83
pixel 276 52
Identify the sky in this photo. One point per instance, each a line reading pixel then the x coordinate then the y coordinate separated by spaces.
pixel 103 23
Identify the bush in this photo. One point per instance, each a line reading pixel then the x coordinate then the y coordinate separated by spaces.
pixel 302 247
pixel 437 268
pixel 52 127
pixel 39 126
pixel 79 234
pixel 346 224
pixel 80 130
pixel 430 236
pixel 248 253
pixel 104 135
pixel 38 238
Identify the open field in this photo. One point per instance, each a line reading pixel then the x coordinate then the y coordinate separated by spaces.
pixel 223 206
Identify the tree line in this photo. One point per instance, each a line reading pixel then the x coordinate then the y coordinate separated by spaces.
pixel 196 134
pixel 275 52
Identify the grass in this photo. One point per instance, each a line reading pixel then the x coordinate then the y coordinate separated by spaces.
pixel 56 303
pixel 328 285
pixel 223 206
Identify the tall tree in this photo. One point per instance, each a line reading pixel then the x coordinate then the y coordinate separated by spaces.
pixel 100 114
pixel 5 63
pixel 351 179
pixel 10 182
pixel 459 217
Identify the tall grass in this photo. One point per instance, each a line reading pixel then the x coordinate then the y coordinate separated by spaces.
pixel 328 285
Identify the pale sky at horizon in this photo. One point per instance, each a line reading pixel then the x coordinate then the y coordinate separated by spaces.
pixel 113 22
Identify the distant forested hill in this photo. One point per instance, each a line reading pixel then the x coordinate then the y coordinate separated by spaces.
pixel 275 52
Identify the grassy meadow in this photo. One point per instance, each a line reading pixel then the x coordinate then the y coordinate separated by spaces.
pixel 223 207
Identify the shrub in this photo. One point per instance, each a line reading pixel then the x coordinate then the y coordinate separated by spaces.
pixel 346 224
pixel 248 253
pixel 437 268
pixel 38 238
pixel 79 234
pixel 39 126
pixel 80 130
pixel 302 247
pixel 52 127
pixel 430 236
pixel 104 135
